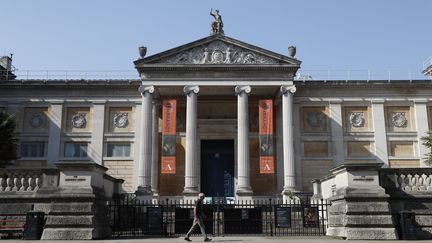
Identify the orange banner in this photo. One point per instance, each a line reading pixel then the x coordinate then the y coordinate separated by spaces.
pixel 266 136
pixel 265 117
pixel 168 165
pixel 266 164
pixel 169 114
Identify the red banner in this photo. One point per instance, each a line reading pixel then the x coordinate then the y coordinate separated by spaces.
pixel 169 114
pixel 266 136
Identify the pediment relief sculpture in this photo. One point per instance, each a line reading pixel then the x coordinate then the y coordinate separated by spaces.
pixel 218 52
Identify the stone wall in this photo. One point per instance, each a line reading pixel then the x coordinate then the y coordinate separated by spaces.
pixel 121 169
pixel 410 190
pixel 73 197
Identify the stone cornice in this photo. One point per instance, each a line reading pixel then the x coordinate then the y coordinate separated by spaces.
pixel 209 67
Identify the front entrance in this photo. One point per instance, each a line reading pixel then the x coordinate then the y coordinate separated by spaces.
pixel 217 168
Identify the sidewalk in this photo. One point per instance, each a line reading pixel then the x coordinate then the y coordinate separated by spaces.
pixel 235 239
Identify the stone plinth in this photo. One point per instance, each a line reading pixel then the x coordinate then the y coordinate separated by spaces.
pixel 360 209
pixel 79 211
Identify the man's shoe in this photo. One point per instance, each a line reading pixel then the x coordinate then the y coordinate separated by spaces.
pixel 207 239
pixel 187 239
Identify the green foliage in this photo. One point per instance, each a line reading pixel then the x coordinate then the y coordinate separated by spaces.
pixel 8 139
pixel 427 141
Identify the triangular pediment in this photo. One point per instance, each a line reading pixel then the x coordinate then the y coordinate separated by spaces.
pixel 218 50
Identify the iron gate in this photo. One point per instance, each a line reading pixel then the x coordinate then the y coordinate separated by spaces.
pixel 132 218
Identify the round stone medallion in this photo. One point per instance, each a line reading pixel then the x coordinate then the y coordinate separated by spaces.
pixel 399 119
pixel 120 120
pixel 314 119
pixel 357 119
pixel 36 120
pixel 79 120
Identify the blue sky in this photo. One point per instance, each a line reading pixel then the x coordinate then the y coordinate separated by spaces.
pixel 105 35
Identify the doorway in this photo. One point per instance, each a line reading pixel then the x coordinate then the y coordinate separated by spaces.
pixel 217 168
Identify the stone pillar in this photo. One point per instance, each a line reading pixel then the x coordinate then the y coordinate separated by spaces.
pixel 359 209
pixel 137 143
pixel 279 147
pixel 297 147
pixel 191 170
pixel 17 110
pixel 337 133
pixel 155 148
pixel 381 152
pixel 82 213
pixel 144 176
pixel 288 145
pixel 95 151
pixel 422 125
pixel 55 117
pixel 243 166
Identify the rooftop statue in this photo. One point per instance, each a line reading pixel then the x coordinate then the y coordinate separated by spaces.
pixel 217 24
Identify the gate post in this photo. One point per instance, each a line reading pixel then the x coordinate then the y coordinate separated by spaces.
pixel 359 209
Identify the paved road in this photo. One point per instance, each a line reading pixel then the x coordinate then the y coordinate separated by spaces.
pixel 220 239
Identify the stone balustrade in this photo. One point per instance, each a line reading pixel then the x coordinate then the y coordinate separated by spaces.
pixel 406 179
pixel 27 180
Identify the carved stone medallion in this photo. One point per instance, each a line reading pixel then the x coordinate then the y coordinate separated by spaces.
pixel 314 119
pixel 79 120
pixel 218 52
pixel 357 119
pixel 399 119
pixel 36 120
pixel 120 119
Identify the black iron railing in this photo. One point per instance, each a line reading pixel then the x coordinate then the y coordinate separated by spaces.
pixel 133 218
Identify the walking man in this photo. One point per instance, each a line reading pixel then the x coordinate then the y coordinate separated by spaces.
pixel 198 219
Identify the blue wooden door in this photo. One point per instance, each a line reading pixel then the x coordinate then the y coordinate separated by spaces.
pixel 217 168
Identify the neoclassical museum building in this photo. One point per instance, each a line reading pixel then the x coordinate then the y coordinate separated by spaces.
pixel 219 116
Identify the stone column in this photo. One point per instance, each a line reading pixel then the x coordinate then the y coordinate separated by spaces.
pixel 55 117
pixel 279 147
pixel 145 161
pixel 381 152
pixel 96 145
pixel 287 136
pixel 191 170
pixel 422 125
pixel 243 166
pixel 155 148
pixel 137 143
pixel 337 133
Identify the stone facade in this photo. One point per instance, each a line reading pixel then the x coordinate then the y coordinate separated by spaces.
pixel 319 125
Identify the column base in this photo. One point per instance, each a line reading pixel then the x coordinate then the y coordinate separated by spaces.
pixel 155 193
pixel 144 193
pixel 244 191
pixel 190 194
pixel 289 194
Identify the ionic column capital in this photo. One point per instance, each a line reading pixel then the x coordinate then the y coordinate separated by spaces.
pixel 146 88
pixel 191 88
pixel 242 88
pixel 288 88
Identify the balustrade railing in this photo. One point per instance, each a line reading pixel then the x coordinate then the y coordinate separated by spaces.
pixel 302 75
pixel 407 179
pixel 27 180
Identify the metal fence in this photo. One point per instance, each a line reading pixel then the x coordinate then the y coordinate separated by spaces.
pixel 133 218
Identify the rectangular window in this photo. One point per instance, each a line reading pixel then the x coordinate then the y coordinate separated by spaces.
pixel 118 150
pixel 75 150
pixel 33 150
